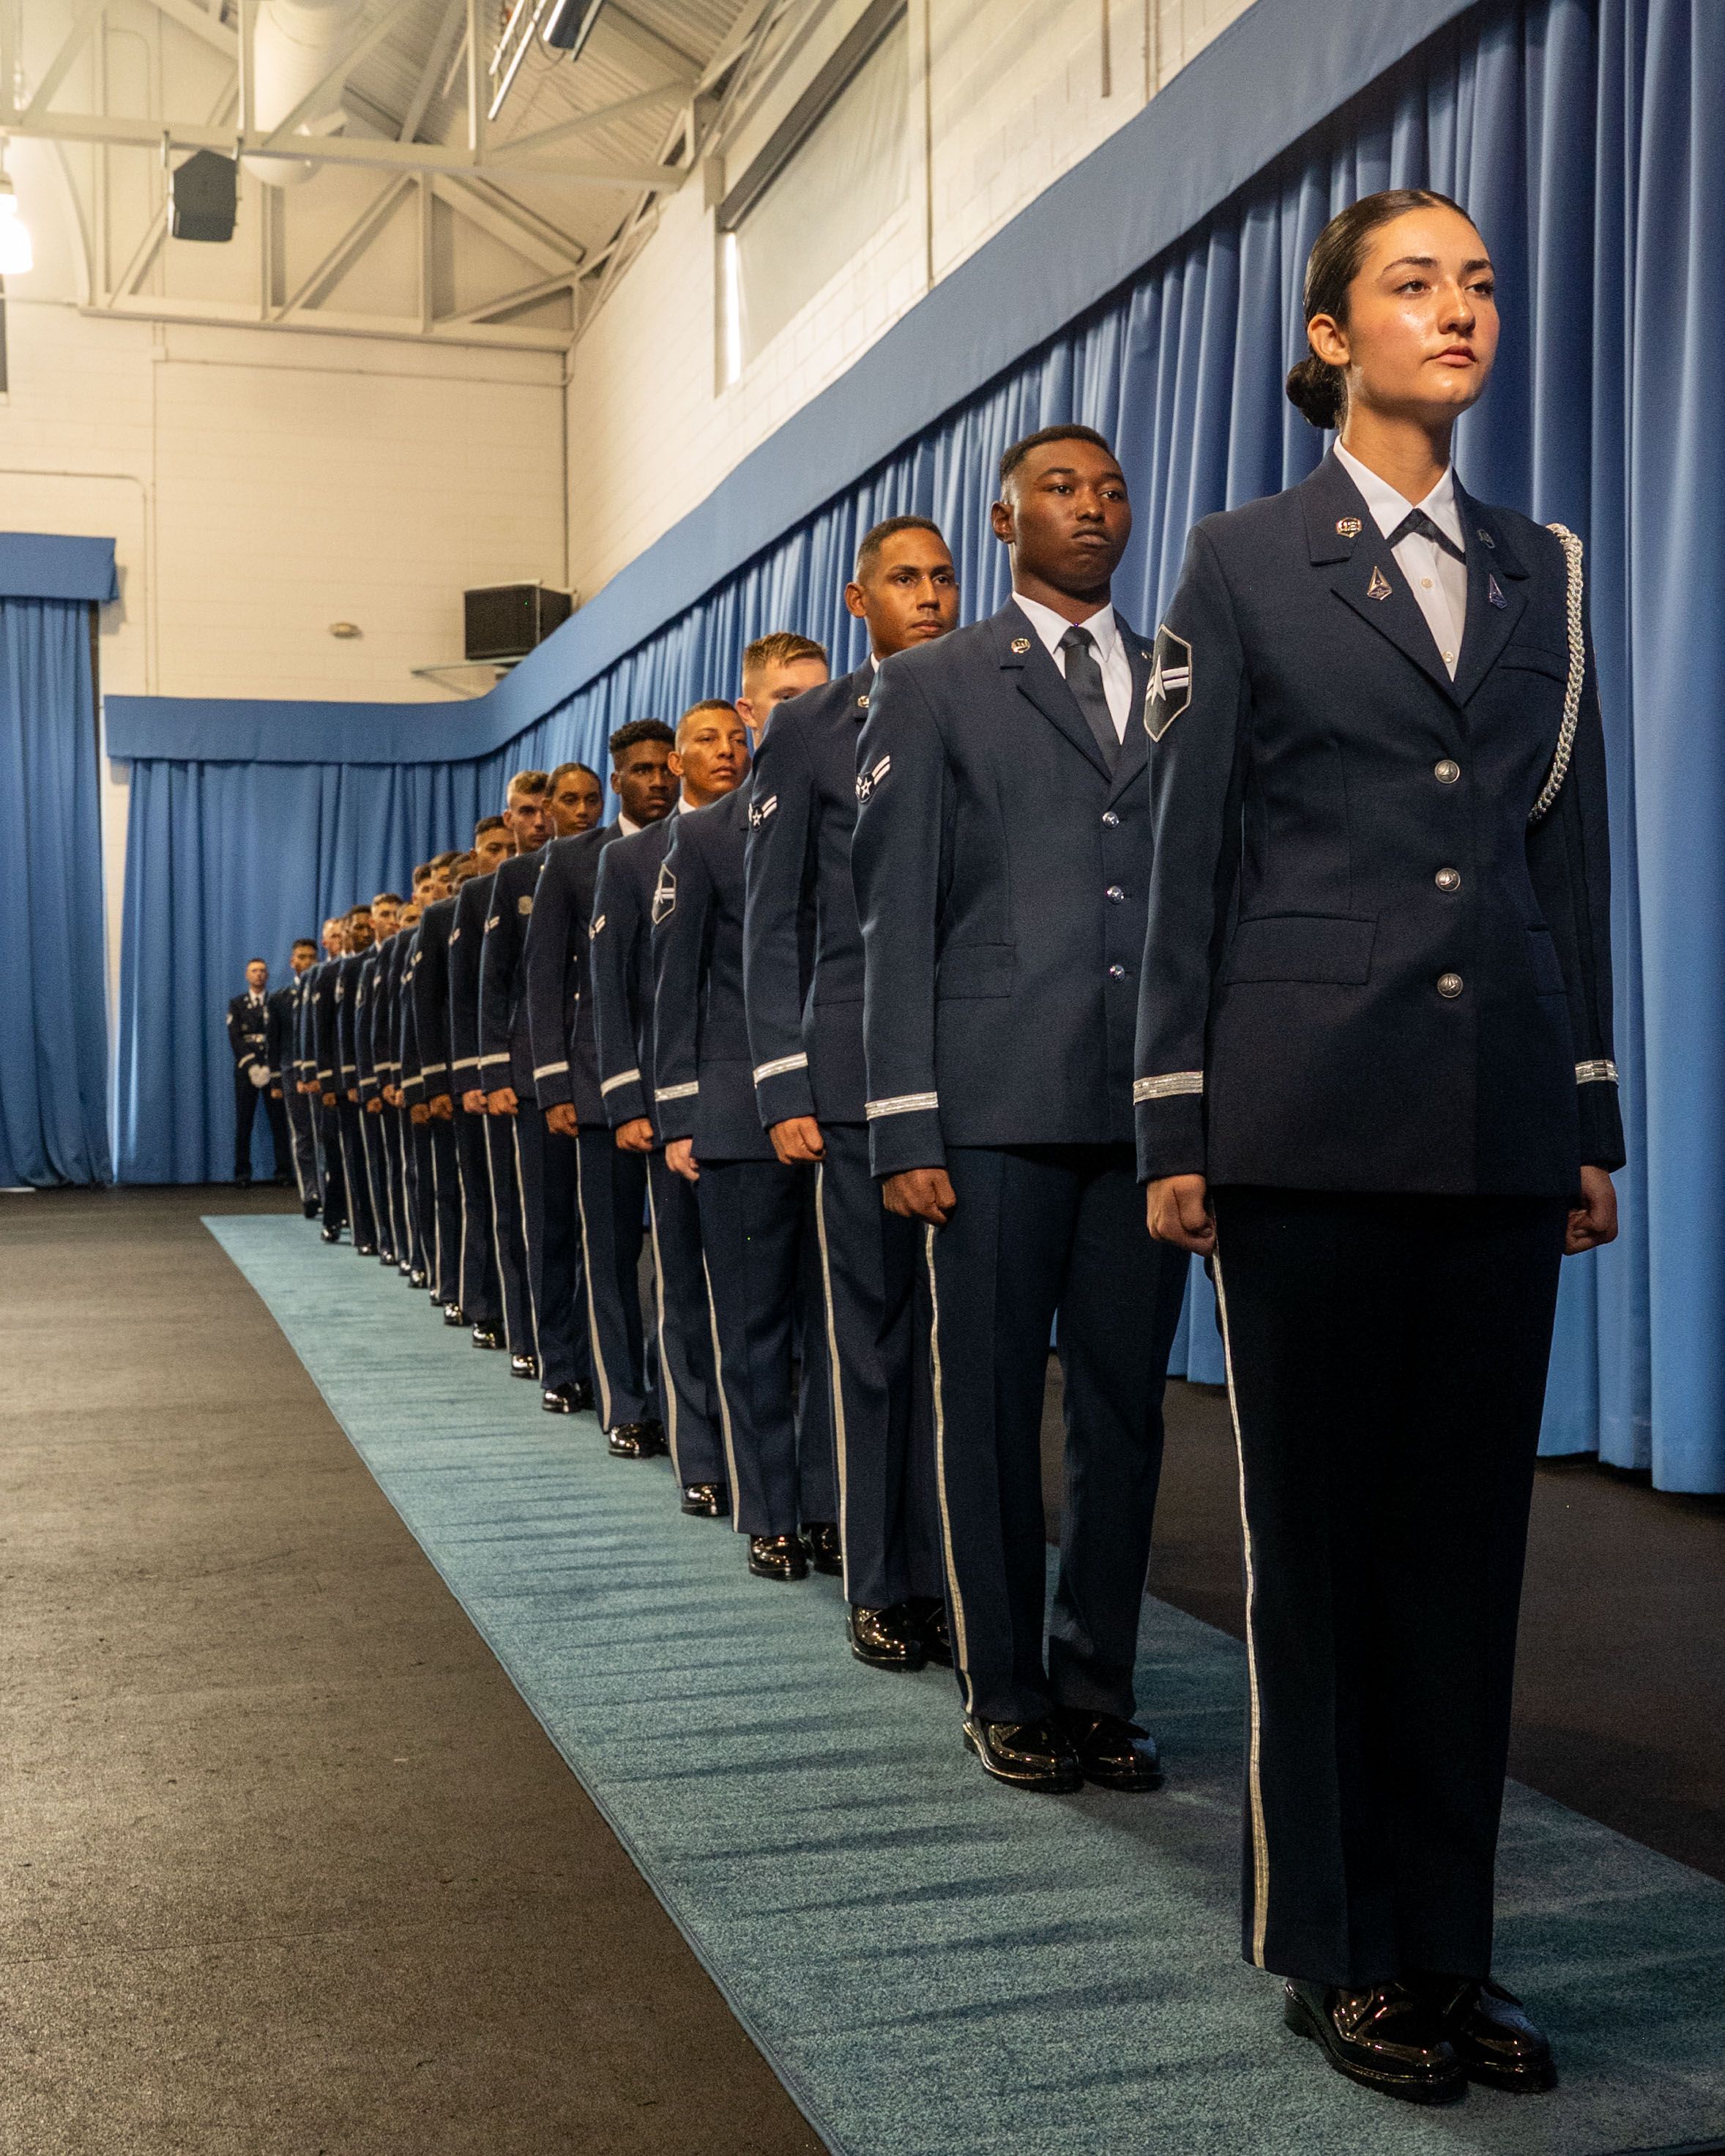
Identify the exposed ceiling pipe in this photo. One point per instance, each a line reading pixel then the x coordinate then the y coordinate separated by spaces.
pixel 294 45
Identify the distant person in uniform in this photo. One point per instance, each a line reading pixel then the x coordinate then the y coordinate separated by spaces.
pixel 284 1060
pixel 1000 865
pixel 1375 1088
pixel 250 1029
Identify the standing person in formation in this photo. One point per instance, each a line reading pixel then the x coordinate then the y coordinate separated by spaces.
pixel 338 1052
pixel 323 1064
pixel 803 972
pixel 757 1228
pixel 1000 867
pixel 482 1276
pixel 250 1030
pixel 504 1056
pixel 706 766
pixel 430 987
pixel 545 1160
pixel 1375 1085
pixel 600 1195
pixel 284 1061
pixel 408 1096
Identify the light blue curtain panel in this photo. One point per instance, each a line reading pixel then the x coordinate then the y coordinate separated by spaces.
pixel 54 1022
pixel 1583 137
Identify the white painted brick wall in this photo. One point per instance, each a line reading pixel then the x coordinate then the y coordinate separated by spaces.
pixel 1015 93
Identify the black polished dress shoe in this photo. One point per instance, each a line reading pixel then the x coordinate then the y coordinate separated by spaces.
pixel 365 1249
pixel 1114 1754
pixel 824 1553
pixel 404 1267
pixel 635 1440
pixel 488 1336
pixel 386 1259
pixel 453 1314
pixel 1492 2036
pixel 418 1277
pixel 888 1638
pixel 706 1501
pixel 778 1556
pixel 1388 2039
pixel 523 1366
pixel 1029 1755
pixel 329 1234
pixel 311 1207
pixel 930 1613
pixel 572 1399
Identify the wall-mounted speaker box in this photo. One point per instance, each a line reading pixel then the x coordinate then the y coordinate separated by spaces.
pixel 505 621
pixel 204 193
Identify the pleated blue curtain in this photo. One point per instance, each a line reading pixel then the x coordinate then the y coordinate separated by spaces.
pixel 1584 136
pixel 53 1033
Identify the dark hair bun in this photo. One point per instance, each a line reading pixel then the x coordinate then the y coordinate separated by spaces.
pixel 1317 391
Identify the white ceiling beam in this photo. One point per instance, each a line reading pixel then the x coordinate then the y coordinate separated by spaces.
pixel 326 323
pixel 347 249
pixel 191 17
pixel 645 41
pixel 511 224
pixel 83 23
pixel 350 59
pixel 436 60
pixel 338 150
pixel 520 298
pixel 521 146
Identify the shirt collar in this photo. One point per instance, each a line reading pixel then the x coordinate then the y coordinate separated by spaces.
pixel 627 825
pixel 1050 627
pixel 1389 508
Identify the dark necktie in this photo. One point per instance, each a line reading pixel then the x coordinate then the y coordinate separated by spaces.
pixel 1084 678
pixel 1417 525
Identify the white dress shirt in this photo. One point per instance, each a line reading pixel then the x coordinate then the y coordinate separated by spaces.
pixel 1110 652
pixel 628 825
pixel 1437 580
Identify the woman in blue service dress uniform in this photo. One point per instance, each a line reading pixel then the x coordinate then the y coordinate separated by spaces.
pixel 1374 1083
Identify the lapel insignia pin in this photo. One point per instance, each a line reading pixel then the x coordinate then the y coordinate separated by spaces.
pixel 862 703
pixel 1347 527
pixel 1021 644
pixel 1494 592
pixel 1487 536
pixel 1379 586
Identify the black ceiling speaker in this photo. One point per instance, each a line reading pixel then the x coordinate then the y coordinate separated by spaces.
pixel 204 192
pixel 570 24
pixel 505 621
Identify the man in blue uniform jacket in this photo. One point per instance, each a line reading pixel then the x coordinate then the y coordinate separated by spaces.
pixel 317 1031
pixel 619 990
pixel 251 1031
pixel 758 1229
pixel 802 975
pixel 545 1161
pixel 999 863
pixel 505 1057
pixel 344 1015
pixel 482 1299
pixel 608 1188
pixel 431 1026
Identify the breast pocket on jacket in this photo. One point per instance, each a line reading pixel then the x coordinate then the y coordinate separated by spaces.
pixel 976 969
pixel 1535 659
pixel 1319 947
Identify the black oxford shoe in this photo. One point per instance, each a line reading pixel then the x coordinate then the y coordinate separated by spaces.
pixel 1387 2039
pixel 365 1249
pixel 566 1400
pixel 1489 2029
pixel 930 1613
pixel 453 1314
pixel 326 1233
pixel 635 1440
pixel 418 1277
pixel 778 1556
pixel 488 1336
pixel 523 1366
pixel 1029 1755
pixel 824 1554
pixel 1114 1754
pixel 706 1501
pixel 311 1207
pixel 885 1638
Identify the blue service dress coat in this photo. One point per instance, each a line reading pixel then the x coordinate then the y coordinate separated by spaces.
pixel 1368 965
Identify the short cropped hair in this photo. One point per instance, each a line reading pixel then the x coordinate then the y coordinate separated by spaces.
pixel 305 943
pixel 869 552
pixel 257 961
pixel 354 912
pixel 636 730
pixel 463 870
pixel 387 898
pixel 781 647
pixel 704 704
pixel 441 861
pixel 1071 431
pixel 421 872
pixel 525 785
pixel 562 772
pixel 487 823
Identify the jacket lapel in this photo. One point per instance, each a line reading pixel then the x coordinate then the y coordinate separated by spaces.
pixel 1135 747
pixel 1496 595
pixel 1342 535
pixel 1023 656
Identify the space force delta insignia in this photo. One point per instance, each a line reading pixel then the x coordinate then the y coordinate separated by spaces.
pixel 867 781
pixel 761 810
pixel 665 896
pixel 1170 689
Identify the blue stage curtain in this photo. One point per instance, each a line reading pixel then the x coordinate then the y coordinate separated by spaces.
pixel 1584 136
pixel 53 1035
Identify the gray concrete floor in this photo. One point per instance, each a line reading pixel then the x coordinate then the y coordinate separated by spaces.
pixel 289 1866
